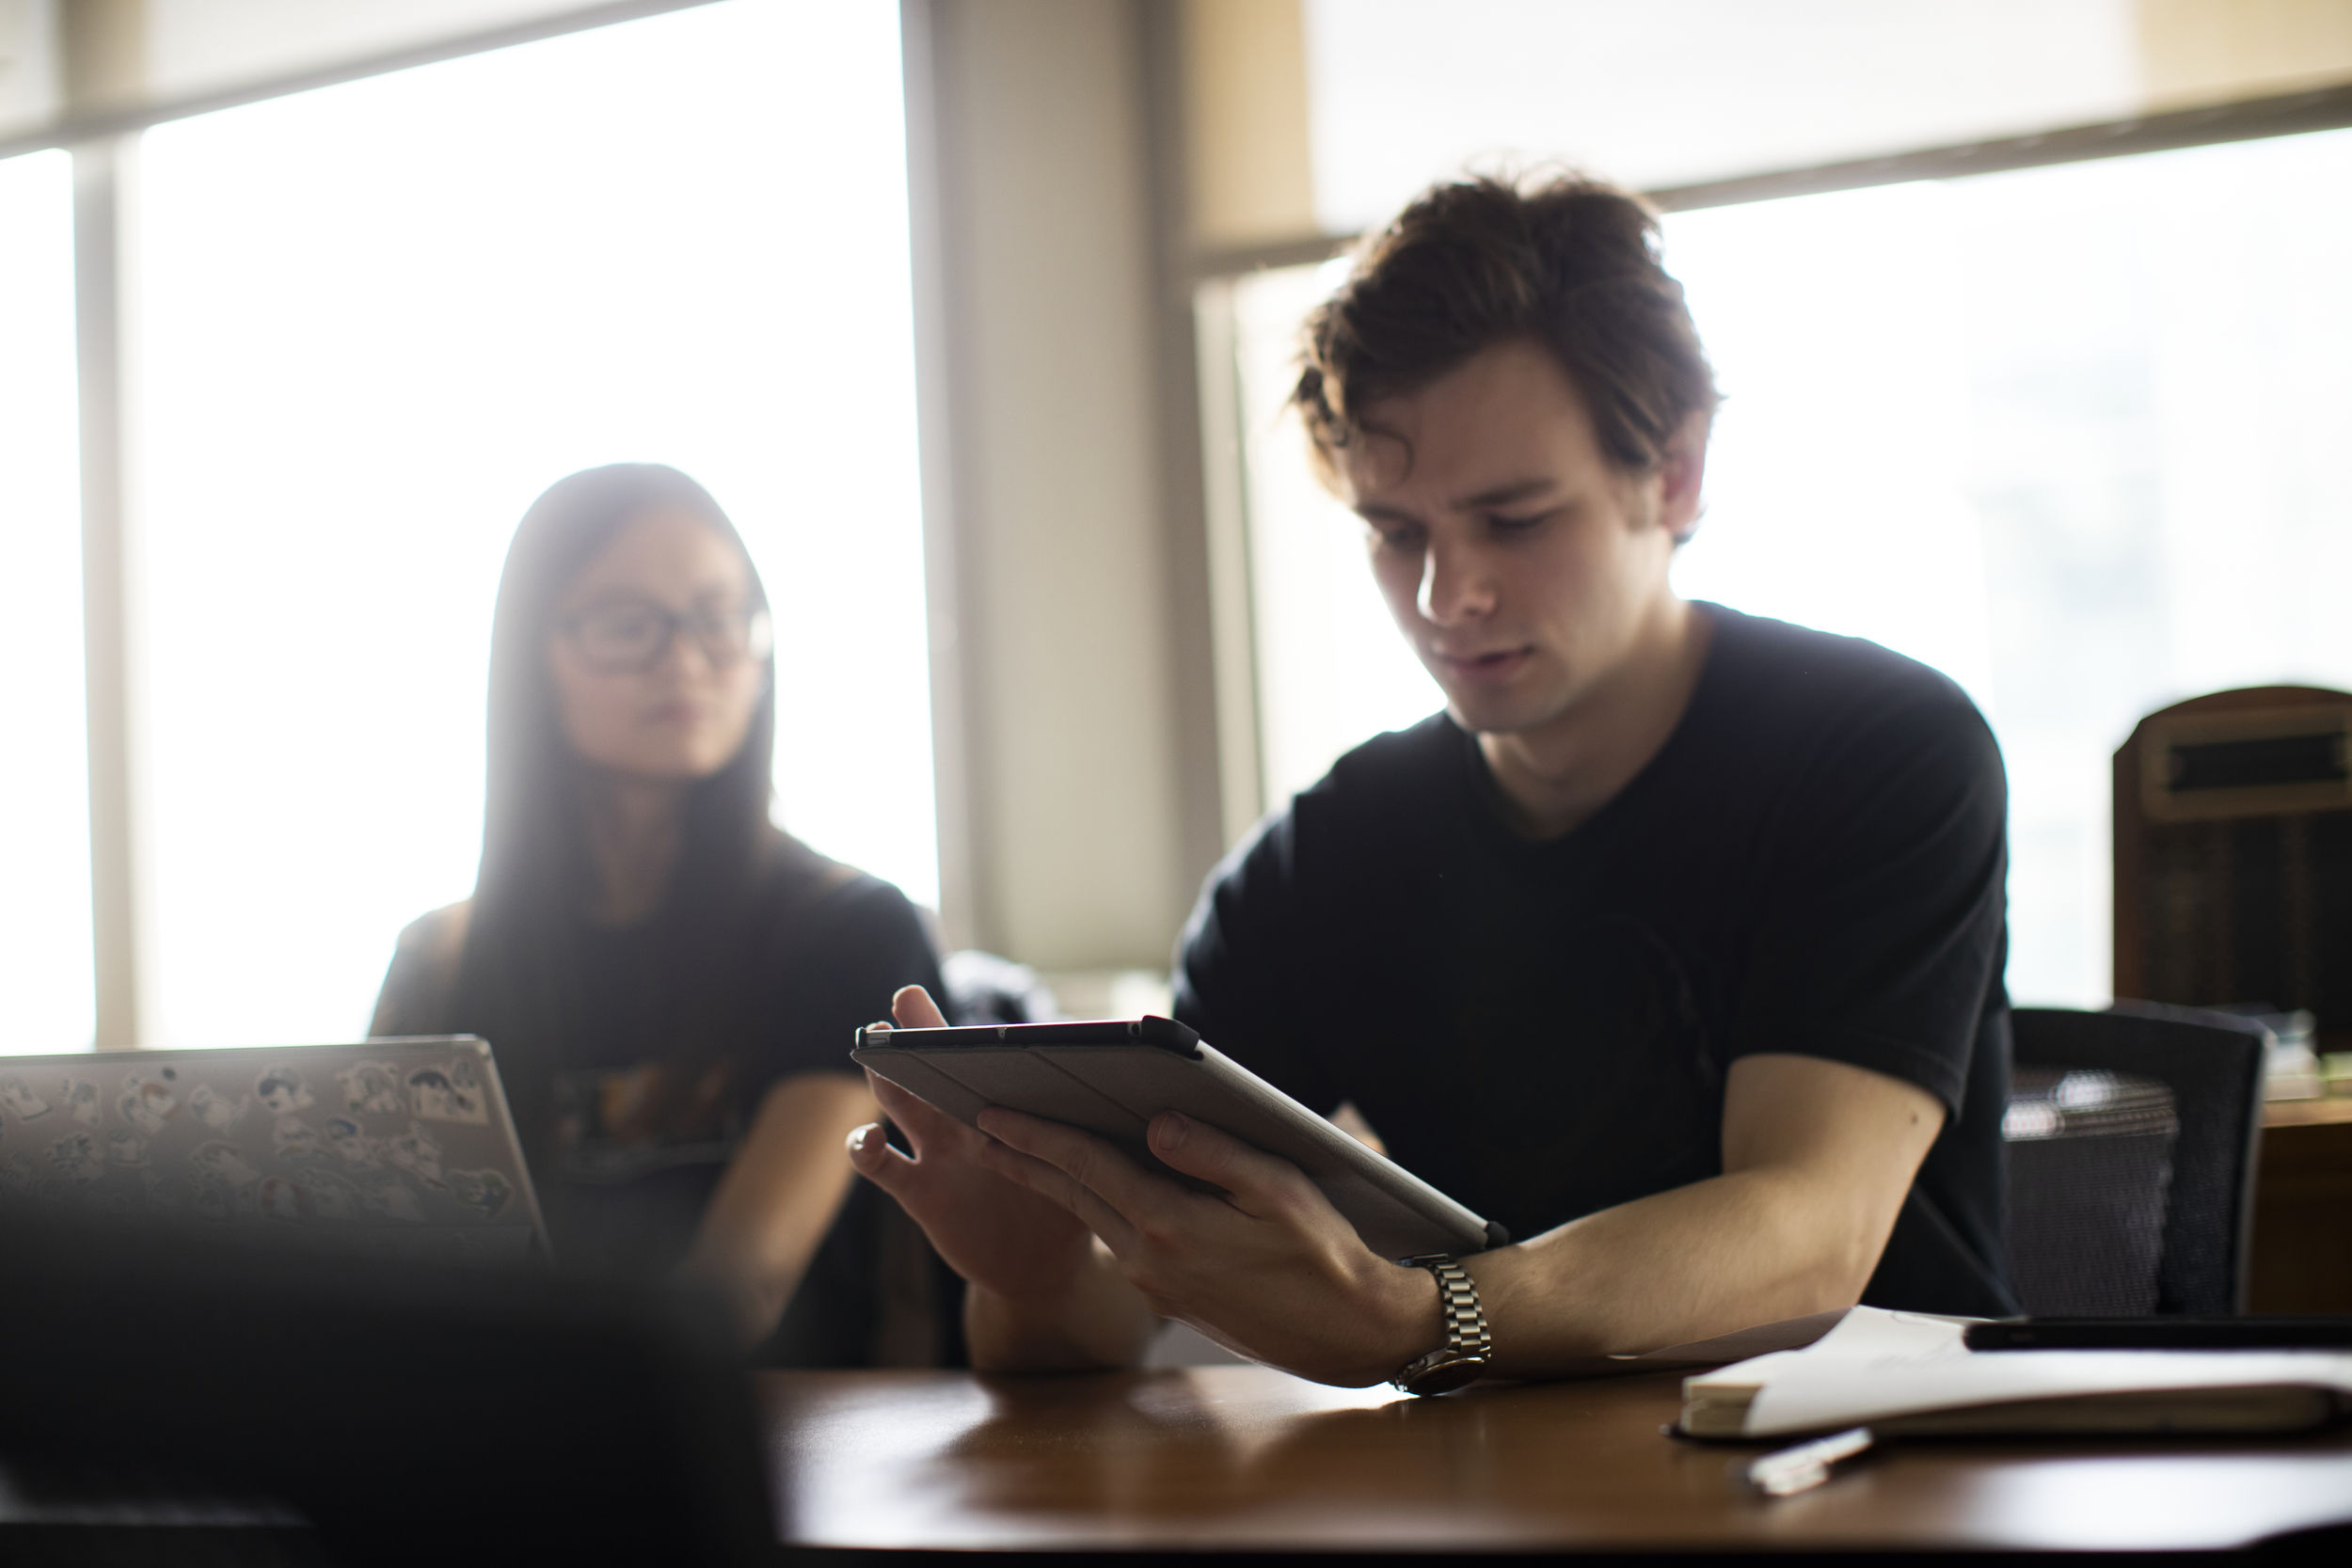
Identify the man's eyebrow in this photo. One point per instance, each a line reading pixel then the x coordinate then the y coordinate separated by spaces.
pixel 1486 499
pixel 1503 495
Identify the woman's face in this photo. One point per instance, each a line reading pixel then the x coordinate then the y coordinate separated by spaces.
pixel 658 655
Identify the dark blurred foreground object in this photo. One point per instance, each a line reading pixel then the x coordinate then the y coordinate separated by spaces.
pixel 2233 855
pixel 407 1412
pixel 2132 1137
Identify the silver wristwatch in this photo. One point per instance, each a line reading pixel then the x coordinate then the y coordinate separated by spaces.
pixel 1468 1346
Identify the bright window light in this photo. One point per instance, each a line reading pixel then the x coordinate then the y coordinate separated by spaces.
pixel 44 785
pixel 1332 669
pixel 1659 93
pixel 377 320
pixel 2073 435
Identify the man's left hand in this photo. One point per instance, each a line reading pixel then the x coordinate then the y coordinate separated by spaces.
pixel 1267 1268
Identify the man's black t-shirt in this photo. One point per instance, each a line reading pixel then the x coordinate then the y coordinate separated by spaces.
pixel 1813 864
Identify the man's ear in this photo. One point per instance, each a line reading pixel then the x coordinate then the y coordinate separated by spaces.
pixel 1683 476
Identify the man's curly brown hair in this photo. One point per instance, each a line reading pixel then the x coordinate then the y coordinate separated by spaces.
pixel 1570 263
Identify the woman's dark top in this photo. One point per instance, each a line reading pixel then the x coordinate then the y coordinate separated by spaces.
pixel 630 1118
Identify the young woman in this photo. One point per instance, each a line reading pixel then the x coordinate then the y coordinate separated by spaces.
pixel 670 983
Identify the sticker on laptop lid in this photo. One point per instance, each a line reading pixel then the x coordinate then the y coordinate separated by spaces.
pixel 449 1093
pixel 18 1096
pixel 281 1091
pixel 75 1157
pixel 351 1144
pixel 216 1111
pixel 371 1088
pixel 81 1101
pixel 126 1149
pixel 146 1103
pixel 280 1198
pixel 331 1197
pixel 223 1163
pixel 295 1139
pixel 388 1196
pixel 417 1152
pixel 486 1192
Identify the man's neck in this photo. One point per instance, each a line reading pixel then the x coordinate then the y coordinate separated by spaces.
pixel 1555 776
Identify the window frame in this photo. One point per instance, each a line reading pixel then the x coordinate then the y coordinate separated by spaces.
pixel 1244 793
pixel 101 138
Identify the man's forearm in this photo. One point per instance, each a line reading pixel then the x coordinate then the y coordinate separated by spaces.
pixel 1100 1322
pixel 1750 1248
pixel 1817 1155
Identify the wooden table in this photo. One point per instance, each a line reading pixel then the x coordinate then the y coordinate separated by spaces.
pixel 1222 1458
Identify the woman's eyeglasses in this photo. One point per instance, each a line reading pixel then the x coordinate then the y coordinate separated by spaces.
pixel 628 636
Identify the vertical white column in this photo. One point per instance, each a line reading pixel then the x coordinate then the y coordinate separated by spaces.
pixel 110 598
pixel 953 628
pixel 103 59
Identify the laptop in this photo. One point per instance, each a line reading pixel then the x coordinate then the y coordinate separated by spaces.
pixel 393 1147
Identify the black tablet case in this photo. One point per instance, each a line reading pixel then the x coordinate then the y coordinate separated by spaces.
pixel 1112 1077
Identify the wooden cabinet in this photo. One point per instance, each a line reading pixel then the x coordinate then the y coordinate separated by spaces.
pixel 2302 1251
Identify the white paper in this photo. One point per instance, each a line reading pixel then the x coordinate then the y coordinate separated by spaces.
pixel 1877 1365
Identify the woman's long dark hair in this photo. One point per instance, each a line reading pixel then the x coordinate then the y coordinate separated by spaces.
pixel 516 980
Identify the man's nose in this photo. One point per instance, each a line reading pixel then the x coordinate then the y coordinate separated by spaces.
pixel 1456 584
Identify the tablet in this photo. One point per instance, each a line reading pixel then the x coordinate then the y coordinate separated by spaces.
pixel 1111 1077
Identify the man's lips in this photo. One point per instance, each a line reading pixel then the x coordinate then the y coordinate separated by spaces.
pixel 1490 665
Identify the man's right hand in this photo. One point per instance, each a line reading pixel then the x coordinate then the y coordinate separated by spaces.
pixel 1006 1239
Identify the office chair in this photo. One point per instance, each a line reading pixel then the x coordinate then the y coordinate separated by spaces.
pixel 2132 1136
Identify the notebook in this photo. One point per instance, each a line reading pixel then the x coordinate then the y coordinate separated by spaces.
pixel 401 1148
pixel 1910 1374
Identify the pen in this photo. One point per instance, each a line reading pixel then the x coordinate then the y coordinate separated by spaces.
pixel 1787 1471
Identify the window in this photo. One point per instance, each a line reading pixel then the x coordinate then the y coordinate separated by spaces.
pixel 2071 435
pixel 44 786
pixel 1670 91
pixel 376 319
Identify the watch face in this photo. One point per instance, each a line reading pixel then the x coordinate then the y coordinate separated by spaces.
pixel 1442 1376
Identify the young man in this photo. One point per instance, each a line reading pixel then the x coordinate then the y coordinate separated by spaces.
pixel 1675 943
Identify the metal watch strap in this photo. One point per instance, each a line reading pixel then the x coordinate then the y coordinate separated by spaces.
pixel 1468 1344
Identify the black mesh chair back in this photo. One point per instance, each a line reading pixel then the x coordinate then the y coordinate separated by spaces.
pixel 2089 1172
pixel 2132 1136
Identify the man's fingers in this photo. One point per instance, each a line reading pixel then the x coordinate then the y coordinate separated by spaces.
pixel 1258 1183
pixel 906 1109
pixel 925 1123
pixel 912 1007
pixel 871 1157
pixel 1057 1187
pixel 1089 1161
